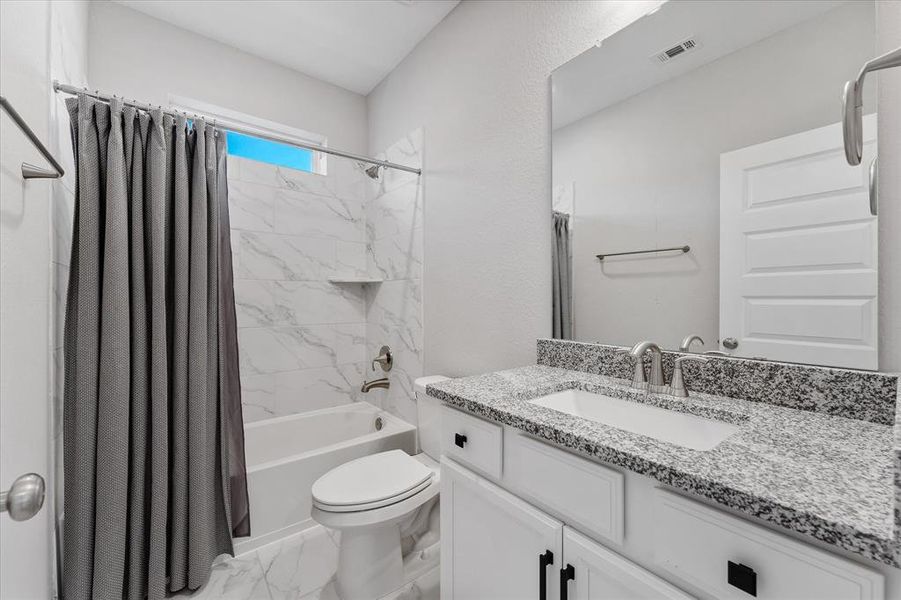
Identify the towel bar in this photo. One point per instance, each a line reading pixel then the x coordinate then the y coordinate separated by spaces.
pixel 683 249
pixel 30 171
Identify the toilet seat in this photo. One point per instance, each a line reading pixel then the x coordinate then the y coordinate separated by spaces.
pixel 371 482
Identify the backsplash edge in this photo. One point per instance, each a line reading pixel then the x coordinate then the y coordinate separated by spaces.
pixel 862 395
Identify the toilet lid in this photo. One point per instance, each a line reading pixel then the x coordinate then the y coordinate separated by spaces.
pixel 371 479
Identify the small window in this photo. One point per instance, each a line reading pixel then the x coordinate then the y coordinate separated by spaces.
pixel 283 155
pixel 254 147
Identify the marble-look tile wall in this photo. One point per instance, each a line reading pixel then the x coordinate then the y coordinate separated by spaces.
pixel 302 339
pixel 394 307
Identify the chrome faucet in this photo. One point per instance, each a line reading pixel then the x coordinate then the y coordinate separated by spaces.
pixel 686 343
pixel 653 382
pixel 382 383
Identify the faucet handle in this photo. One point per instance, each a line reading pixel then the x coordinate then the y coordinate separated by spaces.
pixel 384 359
pixel 639 379
pixel 677 385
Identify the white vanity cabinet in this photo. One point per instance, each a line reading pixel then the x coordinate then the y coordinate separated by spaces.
pixel 730 558
pixel 533 522
pixel 496 546
pixel 601 574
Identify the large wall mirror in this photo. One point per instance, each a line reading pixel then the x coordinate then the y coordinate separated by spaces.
pixel 700 186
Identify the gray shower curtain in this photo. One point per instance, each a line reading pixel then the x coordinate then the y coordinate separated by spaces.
pixel 561 278
pixel 154 473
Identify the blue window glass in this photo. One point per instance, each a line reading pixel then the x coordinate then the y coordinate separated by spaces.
pixel 283 155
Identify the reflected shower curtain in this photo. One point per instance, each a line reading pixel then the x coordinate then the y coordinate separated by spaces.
pixel 561 278
pixel 155 482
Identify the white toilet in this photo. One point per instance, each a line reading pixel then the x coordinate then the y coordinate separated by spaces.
pixel 370 499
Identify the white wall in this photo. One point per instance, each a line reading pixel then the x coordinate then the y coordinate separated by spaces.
pixel 478 86
pixel 889 38
pixel 137 56
pixel 38 41
pixel 659 185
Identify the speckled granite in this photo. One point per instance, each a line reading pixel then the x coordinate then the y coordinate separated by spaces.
pixel 896 453
pixel 831 478
pixel 864 395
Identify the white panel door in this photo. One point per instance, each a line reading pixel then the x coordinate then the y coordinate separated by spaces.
pixel 25 286
pixel 600 574
pixel 798 250
pixel 491 542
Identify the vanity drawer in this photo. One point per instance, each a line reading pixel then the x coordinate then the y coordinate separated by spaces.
pixel 697 543
pixel 581 492
pixel 471 440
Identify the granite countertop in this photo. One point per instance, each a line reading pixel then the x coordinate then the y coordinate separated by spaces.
pixel 828 477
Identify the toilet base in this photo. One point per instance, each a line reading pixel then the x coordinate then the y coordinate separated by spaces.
pixel 370 564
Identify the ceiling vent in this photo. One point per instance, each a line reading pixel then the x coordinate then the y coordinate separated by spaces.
pixel 680 49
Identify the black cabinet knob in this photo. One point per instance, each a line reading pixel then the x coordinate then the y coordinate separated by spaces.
pixel 743 577
pixel 459 439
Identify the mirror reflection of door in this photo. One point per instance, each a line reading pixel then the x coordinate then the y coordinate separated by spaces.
pixel 640 124
pixel 798 250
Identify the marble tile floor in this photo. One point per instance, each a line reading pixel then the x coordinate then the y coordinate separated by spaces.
pixel 302 567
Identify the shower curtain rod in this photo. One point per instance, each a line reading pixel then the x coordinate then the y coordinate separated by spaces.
pixel 73 90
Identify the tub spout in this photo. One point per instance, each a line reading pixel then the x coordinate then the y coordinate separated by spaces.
pixel 375 383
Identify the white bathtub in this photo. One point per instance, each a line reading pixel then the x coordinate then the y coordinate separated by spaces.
pixel 285 455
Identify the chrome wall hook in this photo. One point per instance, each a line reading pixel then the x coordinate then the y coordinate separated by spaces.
pixel 852 105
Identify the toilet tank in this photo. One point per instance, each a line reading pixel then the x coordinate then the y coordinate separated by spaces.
pixel 428 411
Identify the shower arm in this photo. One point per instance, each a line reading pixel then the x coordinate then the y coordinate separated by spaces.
pixel 852 105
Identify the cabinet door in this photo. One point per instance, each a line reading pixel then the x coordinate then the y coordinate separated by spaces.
pixel 492 542
pixel 599 574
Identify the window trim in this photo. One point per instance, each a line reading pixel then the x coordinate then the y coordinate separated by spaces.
pixel 253 124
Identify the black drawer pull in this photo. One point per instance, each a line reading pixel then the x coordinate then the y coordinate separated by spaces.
pixel 567 574
pixel 459 439
pixel 544 559
pixel 743 577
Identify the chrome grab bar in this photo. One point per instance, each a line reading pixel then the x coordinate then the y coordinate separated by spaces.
pixel 30 171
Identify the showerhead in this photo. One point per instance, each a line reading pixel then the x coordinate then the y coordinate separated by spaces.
pixel 373 172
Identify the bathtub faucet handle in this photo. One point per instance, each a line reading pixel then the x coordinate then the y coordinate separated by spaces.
pixel 384 359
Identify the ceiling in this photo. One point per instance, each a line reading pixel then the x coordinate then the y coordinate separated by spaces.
pixel 353 44
pixel 624 65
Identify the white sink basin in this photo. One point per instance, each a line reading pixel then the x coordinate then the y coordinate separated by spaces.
pixel 670 426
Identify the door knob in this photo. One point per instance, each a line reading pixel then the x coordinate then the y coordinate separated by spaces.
pixel 730 343
pixel 24 498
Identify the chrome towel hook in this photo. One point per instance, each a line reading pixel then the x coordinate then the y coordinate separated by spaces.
pixel 852 105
